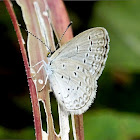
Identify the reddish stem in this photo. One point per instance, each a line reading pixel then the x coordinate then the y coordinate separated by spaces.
pixel 33 94
pixel 79 127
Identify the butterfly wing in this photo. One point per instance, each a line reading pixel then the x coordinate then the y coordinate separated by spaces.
pixel 76 67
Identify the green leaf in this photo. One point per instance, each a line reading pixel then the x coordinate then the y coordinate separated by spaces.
pixel 109 125
pixel 27 133
pixel 121 19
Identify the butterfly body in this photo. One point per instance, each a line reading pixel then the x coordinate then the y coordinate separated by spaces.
pixel 73 70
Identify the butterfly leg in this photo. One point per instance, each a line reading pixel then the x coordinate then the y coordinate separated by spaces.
pixel 37 71
pixel 42 61
pixel 44 65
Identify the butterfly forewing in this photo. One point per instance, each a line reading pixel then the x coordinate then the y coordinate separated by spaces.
pixel 76 67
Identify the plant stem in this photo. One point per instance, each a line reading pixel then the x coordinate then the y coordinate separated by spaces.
pixel 33 94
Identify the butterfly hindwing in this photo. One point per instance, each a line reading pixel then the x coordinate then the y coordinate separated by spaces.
pixel 76 67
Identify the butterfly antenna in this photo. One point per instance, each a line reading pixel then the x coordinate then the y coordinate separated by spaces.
pixel 34 36
pixel 63 34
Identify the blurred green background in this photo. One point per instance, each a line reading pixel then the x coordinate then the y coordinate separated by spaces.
pixel 115 114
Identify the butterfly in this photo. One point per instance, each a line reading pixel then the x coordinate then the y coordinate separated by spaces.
pixel 73 69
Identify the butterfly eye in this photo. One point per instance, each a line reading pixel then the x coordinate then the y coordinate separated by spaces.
pixel 49 54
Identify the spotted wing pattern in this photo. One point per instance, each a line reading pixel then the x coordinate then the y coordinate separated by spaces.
pixel 76 67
